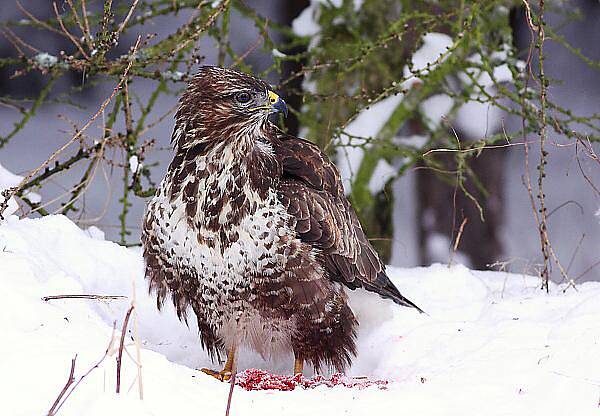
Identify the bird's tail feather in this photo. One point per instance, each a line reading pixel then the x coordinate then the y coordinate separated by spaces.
pixel 386 289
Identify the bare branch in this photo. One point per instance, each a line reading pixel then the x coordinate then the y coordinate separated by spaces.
pixel 70 380
pixel 231 387
pixel 121 345
pixel 12 191
pixel 93 297
pixel 129 14
pixel 74 386
pixel 68 34
pixel 38 21
pixel 82 27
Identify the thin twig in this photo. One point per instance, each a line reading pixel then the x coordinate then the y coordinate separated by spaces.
pixel 72 38
pixel 129 14
pixel 82 27
pixel 108 349
pixel 461 228
pixel 70 381
pixel 15 40
pixel 565 204
pixel 38 21
pixel 9 193
pixel 18 126
pixel 94 297
pixel 585 176
pixel 231 386
pixel 211 19
pixel 586 271
pixel 86 22
pixel 575 252
pixel 251 49
pixel 138 346
pixel 472 149
pixel 121 344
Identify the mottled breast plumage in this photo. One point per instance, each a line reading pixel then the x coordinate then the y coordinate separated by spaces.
pixel 251 230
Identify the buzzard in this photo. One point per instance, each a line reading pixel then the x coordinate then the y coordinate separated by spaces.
pixel 251 229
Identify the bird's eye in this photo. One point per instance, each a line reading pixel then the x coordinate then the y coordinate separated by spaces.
pixel 243 97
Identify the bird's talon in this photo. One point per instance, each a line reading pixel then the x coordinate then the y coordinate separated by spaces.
pixel 219 375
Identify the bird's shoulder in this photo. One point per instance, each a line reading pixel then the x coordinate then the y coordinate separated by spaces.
pixel 312 192
pixel 303 161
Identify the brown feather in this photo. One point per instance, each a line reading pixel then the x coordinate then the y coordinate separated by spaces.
pixel 251 229
pixel 311 182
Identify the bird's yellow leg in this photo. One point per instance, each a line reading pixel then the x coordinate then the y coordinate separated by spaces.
pixel 298 365
pixel 225 373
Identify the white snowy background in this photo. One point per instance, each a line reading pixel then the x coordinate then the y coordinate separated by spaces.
pixel 492 343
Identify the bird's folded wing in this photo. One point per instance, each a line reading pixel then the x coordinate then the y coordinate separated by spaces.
pixel 312 192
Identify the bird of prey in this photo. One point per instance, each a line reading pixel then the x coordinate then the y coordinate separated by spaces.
pixel 251 229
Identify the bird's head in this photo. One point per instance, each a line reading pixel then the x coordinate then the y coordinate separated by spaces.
pixel 221 101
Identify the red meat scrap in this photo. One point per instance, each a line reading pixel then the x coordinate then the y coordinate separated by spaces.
pixel 255 379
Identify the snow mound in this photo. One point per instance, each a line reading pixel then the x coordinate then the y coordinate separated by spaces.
pixel 492 343
pixel 9 180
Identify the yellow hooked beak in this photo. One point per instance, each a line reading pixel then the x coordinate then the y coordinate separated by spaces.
pixel 277 104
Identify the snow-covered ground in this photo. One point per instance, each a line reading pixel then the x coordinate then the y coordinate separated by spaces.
pixel 492 344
